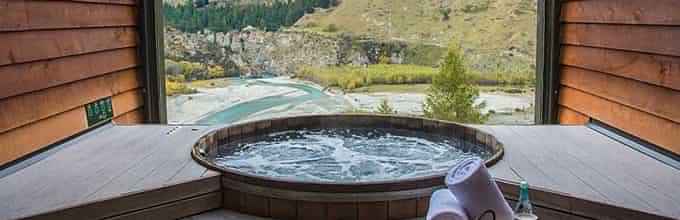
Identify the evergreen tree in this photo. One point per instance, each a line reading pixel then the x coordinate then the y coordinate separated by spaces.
pixel 235 16
pixel 451 96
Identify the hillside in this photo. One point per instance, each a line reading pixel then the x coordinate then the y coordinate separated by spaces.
pixel 495 34
pixel 220 2
pixel 497 37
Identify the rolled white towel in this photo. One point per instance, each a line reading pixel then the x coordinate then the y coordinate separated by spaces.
pixel 476 191
pixel 444 206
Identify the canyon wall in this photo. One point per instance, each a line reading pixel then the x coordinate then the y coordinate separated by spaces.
pixel 252 52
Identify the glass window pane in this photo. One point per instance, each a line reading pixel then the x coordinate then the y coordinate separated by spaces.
pixel 469 61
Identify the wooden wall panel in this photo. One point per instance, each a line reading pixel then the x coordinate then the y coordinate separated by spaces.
pixel 133 117
pixel 654 69
pixel 26 46
pixel 654 129
pixel 621 66
pixel 27 139
pixel 14 15
pixel 121 2
pixel 127 101
pixel 648 98
pixel 659 12
pixel 29 77
pixel 56 57
pixel 639 38
pixel 567 116
pixel 30 107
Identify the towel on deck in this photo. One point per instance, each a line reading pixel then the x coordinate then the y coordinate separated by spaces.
pixel 444 206
pixel 475 190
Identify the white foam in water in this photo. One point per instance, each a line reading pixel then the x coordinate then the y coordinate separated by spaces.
pixel 346 155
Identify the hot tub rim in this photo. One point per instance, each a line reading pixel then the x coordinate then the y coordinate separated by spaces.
pixel 435 179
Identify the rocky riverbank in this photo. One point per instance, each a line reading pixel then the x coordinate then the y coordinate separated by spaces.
pixel 281 96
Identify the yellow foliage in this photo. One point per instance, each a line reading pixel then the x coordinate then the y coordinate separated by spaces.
pixel 352 77
pixel 176 88
pixel 215 72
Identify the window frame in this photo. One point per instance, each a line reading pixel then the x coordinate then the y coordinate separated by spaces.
pixel 547 61
pixel 151 51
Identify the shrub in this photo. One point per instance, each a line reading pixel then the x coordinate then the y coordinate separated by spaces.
pixel 215 72
pixel 476 6
pixel 172 67
pixel 446 12
pixel 175 78
pixel 352 77
pixel 331 28
pixel 385 108
pixel 311 25
pixel 176 88
pixel 191 71
pixel 384 59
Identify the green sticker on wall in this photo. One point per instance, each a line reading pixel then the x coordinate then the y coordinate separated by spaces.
pixel 99 111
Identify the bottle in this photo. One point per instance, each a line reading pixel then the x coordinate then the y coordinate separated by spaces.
pixel 523 210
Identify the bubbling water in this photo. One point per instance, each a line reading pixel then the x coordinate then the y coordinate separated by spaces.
pixel 347 154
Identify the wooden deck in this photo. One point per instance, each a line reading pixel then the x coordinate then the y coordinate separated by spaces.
pixel 576 161
pixel 118 171
pixel 110 162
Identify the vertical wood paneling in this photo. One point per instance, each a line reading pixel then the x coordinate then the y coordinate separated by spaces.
pixel 422 205
pixel 311 210
pixel 282 209
pixel 372 211
pixel 255 205
pixel 402 209
pixel 231 199
pixel 342 211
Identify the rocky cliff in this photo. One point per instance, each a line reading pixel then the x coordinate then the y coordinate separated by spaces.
pixel 252 52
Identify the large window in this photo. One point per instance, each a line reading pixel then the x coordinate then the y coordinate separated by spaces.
pixel 469 61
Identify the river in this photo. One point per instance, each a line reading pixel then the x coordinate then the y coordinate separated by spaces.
pixel 243 110
pixel 264 98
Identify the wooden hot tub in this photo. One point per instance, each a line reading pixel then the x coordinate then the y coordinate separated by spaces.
pixel 283 198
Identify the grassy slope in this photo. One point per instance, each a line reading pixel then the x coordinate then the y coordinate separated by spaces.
pixel 352 77
pixel 422 88
pixel 484 34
